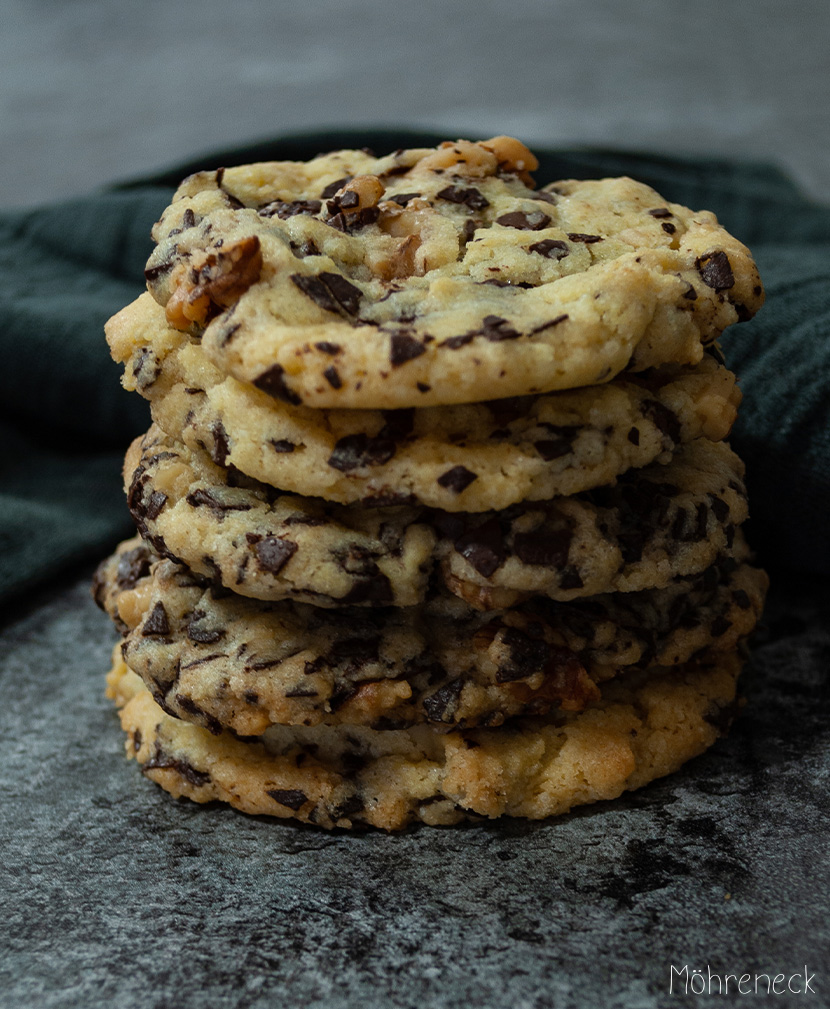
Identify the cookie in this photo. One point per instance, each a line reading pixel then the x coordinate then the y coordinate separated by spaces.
pixel 220 661
pixel 654 524
pixel 651 526
pixel 261 543
pixel 643 726
pixel 431 277
pixel 474 457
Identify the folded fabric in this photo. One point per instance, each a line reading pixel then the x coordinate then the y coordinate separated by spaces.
pixel 65 422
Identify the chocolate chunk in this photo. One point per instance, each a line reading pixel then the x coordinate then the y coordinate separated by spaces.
pixel 293 798
pixel 202 498
pixel 548 325
pixel 525 657
pixel 164 761
pixel 471 198
pixel 132 566
pixel 273 554
pixel 546 547
pixel 690 293
pixel 493 328
pixel 221 448
pixel 331 291
pixel 454 342
pixel 301 692
pixel 349 200
pixel 356 450
pixel 153 273
pixel 483 547
pixel 333 187
pixel 634 436
pixel 211 723
pixel 668 228
pixel 533 221
pixel 157 623
pixel 347 808
pixel 577 236
pixel 404 347
pixel 741 599
pixel 550 248
pixel 328 348
pixel 404 198
pixel 157 501
pixel 283 209
pixel 661 212
pixel 332 377
pixel 273 382
pixel 338 221
pixel 665 420
pixel 562 444
pixel 715 271
pixel 457 479
pixel 282 445
pixel 442 705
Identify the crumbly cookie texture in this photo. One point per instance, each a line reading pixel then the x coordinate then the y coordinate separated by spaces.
pixel 441 276
pixel 651 526
pixel 261 543
pixel 473 457
pixel 220 661
pixel 644 725
pixel 654 524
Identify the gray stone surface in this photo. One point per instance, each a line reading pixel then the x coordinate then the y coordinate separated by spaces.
pixel 92 91
pixel 115 895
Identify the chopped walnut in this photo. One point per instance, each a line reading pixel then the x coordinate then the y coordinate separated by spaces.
pixel 467 159
pixel 513 156
pixel 212 280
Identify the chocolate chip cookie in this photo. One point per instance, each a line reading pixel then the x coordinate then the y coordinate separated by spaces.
pixel 654 524
pixel 431 277
pixel 643 726
pixel 221 661
pixel 473 457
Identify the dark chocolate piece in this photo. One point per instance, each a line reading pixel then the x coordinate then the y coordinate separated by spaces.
pixel 457 479
pixel 716 271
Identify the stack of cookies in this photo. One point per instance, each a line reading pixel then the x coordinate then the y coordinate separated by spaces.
pixel 436 517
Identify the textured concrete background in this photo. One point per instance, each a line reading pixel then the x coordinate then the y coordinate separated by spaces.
pixel 111 894
pixel 92 91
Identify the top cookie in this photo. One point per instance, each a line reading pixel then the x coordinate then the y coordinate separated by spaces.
pixel 432 277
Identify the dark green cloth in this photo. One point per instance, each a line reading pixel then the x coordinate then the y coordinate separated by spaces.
pixel 64 420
